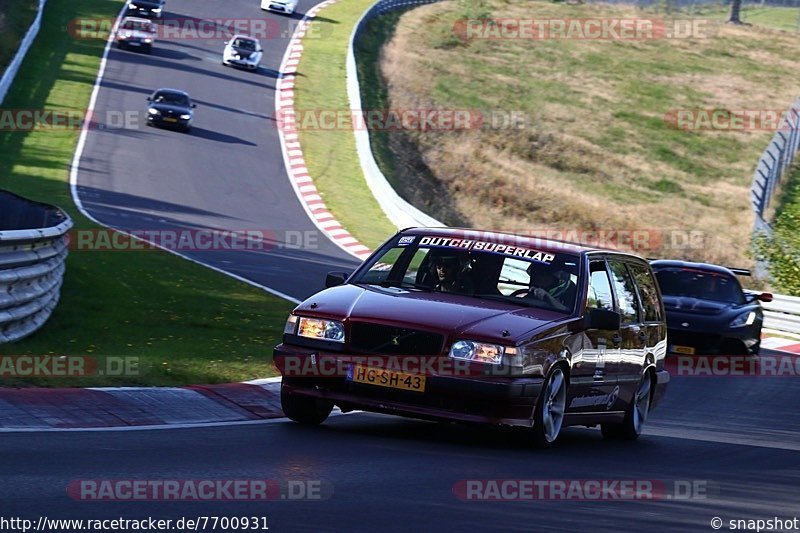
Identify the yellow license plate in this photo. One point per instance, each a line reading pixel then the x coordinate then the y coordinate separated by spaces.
pixel 686 350
pixel 168 119
pixel 388 378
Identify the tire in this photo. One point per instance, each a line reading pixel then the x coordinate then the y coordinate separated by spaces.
pixel 304 409
pixel 548 415
pixel 148 50
pixel 187 129
pixel 635 414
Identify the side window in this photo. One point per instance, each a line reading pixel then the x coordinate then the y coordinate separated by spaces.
pixel 600 296
pixel 647 292
pixel 625 290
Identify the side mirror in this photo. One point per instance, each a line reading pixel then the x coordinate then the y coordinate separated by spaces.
pixel 194 105
pixel 149 99
pixel 604 319
pixel 765 297
pixel 334 279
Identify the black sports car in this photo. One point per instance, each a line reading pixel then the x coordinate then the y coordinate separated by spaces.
pixel 707 310
pixel 170 108
pixel 145 8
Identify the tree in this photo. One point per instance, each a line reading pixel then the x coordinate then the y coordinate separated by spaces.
pixel 735 15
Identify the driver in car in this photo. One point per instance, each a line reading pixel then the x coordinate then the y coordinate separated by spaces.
pixel 552 286
pixel 447 275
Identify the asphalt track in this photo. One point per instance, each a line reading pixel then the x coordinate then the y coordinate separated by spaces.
pixel 228 174
pixel 737 437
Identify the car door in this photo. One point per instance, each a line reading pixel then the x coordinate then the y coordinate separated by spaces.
pixel 633 336
pixel 590 371
pixel 653 323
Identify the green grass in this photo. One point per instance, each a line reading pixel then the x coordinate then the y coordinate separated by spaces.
pixel 15 19
pixel 186 323
pixel 331 154
pixel 782 247
pixel 777 18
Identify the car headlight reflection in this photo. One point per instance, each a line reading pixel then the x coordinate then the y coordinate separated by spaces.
pixel 153 111
pixel 186 116
pixel 480 352
pixel 745 319
pixel 317 328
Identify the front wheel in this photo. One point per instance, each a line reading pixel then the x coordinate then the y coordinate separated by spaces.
pixel 635 415
pixel 549 413
pixel 304 409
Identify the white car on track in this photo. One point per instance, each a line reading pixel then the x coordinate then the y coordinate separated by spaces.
pixel 242 51
pixel 280 6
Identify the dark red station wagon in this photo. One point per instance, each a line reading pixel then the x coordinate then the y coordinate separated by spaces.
pixel 474 326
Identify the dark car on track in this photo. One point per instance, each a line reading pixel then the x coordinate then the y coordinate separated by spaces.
pixel 170 108
pixel 708 313
pixel 145 8
pixel 450 324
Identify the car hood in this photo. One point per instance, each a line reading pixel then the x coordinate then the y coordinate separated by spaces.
pixel 695 306
pixel 449 314
pixel 242 53
pixel 166 108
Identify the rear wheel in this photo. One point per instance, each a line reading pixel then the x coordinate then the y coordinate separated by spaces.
pixel 635 415
pixel 548 415
pixel 304 409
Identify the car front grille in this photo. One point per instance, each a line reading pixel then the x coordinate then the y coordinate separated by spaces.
pixel 379 339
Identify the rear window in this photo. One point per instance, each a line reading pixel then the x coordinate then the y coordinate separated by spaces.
pixel 702 284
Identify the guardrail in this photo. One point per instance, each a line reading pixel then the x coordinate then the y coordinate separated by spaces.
pixel 33 248
pixel 11 71
pixel 401 213
pixel 774 163
pixel 782 313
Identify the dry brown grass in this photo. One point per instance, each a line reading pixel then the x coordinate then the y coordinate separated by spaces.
pixel 595 152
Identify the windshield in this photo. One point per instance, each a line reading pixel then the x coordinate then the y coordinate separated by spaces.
pixel 479 269
pixel 245 44
pixel 171 99
pixel 702 284
pixel 138 26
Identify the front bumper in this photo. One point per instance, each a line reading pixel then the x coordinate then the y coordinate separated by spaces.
pixel 740 341
pixel 160 120
pixel 486 400
pixel 243 63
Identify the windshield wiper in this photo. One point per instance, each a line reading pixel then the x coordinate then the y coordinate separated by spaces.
pixel 404 285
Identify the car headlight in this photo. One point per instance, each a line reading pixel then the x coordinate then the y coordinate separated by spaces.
pixel 186 116
pixel 154 111
pixel 122 36
pixel 745 319
pixel 317 328
pixel 156 10
pixel 133 6
pixel 480 352
pixel 147 40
